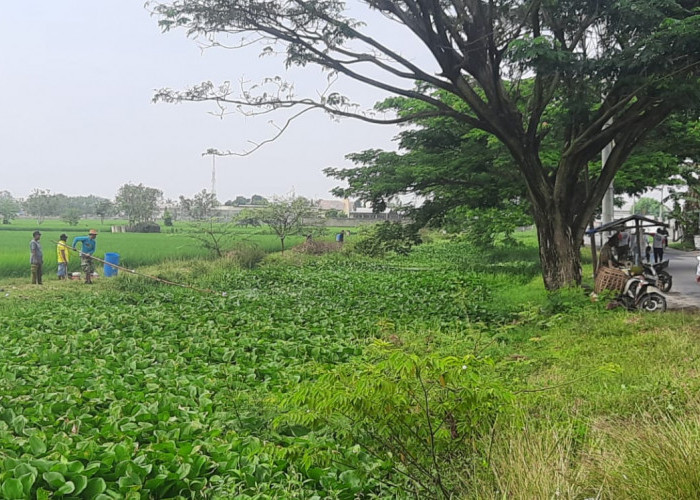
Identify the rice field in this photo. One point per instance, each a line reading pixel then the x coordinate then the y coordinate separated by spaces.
pixel 134 249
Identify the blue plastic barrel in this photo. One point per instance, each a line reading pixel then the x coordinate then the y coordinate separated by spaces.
pixel 112 258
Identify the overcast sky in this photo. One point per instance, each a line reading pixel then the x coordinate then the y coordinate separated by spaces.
pixel 76 82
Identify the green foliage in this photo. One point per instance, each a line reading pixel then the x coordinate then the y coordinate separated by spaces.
pixel 686 202
pixel 135 249
pixel 201 206
pixel 8 207
pixel 248 255
pixel 104 208
pixel 167 218
pixel 213 235
pixel 484 227
pixel 287 216
pixel 388 237
pixel 135 389
pixel 248 218
pixel 71 217
pixel 145 227
pixel 448 164
pixel 521 74
pixel 647 206
pixel 419 415
pixel 334 213
pixel 43 203
pixel 138 203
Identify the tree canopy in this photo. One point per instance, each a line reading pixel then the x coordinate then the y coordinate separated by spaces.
pixel 138 202
pixel 8 207
pixel 447 164
pixel 201 206
pixel 610 72
pixel 287 216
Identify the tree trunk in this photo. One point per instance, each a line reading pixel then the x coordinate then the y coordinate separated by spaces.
pixel 560 247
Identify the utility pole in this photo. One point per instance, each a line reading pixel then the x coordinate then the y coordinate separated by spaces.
pixel 213 174
pixel 213 153
pixel 608 206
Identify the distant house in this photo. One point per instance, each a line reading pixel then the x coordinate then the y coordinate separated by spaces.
pixel 332 205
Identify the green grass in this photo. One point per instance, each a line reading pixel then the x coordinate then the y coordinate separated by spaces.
pixel 135 249
pixel 151 391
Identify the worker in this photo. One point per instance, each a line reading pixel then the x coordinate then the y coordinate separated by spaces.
pixel 87 250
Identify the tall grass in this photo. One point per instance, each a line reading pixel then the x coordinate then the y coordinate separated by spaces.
pixel 654 456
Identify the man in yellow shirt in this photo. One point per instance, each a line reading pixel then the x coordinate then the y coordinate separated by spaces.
pixel 62 257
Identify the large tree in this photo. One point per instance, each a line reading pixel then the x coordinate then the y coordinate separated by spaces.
pixel 8 207
pixel 288 216
pixel 451 165
pixel 41 203
pixel 612 70
pixel 447 164
pixel 138 202
pixel 201 206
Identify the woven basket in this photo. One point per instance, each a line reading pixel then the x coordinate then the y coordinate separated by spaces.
pixel 609 278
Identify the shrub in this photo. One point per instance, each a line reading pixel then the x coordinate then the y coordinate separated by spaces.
pixel 422 416
pixel 167 218
pixel 485 226
pixel 317 247
pixel 248 255
pixel 388 237
pixel 145 227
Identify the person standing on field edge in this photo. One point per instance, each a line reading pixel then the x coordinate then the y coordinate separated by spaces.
pixel 36 258
pixel 62 257
pixel 697 272
pixel 88 247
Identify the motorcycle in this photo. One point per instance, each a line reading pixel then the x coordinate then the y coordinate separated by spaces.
pixel 657 274
pixel 640 293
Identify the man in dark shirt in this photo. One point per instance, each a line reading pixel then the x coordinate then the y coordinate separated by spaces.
pixel 36 258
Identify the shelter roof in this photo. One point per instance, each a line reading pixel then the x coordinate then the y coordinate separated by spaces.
pixel 619 224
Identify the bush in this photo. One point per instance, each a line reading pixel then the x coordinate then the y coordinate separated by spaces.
pixel 424 417
pixel 144 227
pixel 248 255
pixel 485 226
pixel 71 216
pixel 317 247
pixel 388 237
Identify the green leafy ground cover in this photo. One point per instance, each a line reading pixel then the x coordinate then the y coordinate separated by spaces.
pixel 301 383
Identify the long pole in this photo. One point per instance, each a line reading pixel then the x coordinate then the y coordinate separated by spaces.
pixel 155 278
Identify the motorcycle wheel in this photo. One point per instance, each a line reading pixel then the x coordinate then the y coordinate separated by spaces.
pixel 652 302
pixel 664 281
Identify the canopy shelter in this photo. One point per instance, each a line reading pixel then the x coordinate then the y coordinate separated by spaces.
pixel 639 222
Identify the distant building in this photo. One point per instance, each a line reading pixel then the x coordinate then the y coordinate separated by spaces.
pixel 332 205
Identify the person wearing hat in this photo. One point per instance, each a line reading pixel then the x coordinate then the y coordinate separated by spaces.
pixel 88 247
pixel 62 257
pixel 36 258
